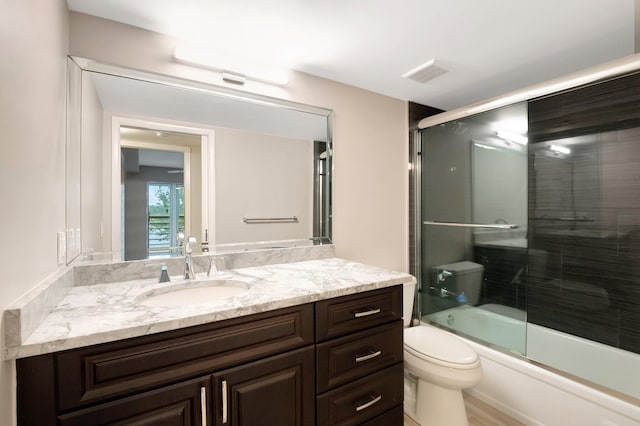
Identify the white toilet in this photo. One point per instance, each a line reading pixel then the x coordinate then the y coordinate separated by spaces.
pixel 438 365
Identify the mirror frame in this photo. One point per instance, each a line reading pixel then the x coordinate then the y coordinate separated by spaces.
pixel 71 239
pixel 93 66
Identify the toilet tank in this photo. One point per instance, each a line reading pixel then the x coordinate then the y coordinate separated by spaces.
pixel 466 277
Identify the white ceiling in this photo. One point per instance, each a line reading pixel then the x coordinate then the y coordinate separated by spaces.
pixel 489 46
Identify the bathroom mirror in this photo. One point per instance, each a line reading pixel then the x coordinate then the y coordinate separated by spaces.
pixel 255 172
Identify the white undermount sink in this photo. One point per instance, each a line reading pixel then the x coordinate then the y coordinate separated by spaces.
pixel 194 293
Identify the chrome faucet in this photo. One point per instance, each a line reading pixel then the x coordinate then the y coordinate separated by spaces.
pixel 460 297
pixel 188 265
pixel 444 292
pixel 213 269
pixel 443 275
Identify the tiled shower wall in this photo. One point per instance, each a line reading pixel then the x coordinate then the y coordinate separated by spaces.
pixel 584 213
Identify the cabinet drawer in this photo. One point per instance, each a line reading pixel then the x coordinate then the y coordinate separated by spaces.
pixel 363 399
pixel 393 417
pixel 93 374
pixel 342 315
pixel 350 357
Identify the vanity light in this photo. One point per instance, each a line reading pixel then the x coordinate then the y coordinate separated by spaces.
pixel 512 137
pixel 234 69
pixel 560 149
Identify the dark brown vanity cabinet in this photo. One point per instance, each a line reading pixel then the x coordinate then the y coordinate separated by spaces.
pixel 359 359
pixel 258 369
pixel 273 391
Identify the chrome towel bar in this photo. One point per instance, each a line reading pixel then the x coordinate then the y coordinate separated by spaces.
pixel 471 225
pixel 293 219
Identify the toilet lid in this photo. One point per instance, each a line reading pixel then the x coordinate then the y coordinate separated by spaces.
pixel 438 345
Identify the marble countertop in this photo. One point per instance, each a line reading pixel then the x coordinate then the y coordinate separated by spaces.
pixel 99 313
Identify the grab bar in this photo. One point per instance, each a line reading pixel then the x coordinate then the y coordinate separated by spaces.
pixel 293 219
pixel 471 225
pixel 566 219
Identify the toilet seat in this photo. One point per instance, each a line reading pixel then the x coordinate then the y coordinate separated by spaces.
pixel 439 347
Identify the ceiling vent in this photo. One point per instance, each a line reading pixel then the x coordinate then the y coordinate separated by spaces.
pixel 425 72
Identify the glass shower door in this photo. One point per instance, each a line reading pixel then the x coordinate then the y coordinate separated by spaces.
pixel 474 219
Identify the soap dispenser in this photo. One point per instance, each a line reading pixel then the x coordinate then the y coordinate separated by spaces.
pixel 164 275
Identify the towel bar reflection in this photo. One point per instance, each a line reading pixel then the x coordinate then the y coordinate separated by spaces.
pixel 566 219
pixel 293 219
pixel 471 225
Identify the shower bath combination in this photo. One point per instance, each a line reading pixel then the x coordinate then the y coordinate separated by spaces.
pixel 527 222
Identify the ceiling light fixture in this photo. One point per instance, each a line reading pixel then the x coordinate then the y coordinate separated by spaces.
pixel 234 69
pixel 560 149
pixel 512 137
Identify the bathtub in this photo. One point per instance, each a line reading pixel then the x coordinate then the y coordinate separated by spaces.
pixel 496 324
pixel 536 395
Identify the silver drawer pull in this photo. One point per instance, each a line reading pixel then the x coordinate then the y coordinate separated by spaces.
pixel 371 311
pixel 203 405
pixel 374 400
pixel 367 357
pixel 224 402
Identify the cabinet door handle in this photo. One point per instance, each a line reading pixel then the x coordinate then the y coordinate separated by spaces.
pixel 203 405
pixel 372 401
pixel 224 402
pixel 370 311
pixel 372 354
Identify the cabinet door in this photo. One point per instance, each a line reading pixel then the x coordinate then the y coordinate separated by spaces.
pixel 183 404
pixel 276 391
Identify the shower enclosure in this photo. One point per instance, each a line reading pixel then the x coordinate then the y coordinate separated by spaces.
pixel 532 210
pixel 474 210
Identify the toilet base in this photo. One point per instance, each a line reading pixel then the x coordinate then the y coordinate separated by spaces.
pixel 410 391
pixel 439 406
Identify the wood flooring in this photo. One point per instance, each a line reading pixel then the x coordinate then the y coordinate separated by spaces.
pixel 479 414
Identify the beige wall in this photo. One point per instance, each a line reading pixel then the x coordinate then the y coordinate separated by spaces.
pixel 34 36
pixel 370 134
pixel 259 175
